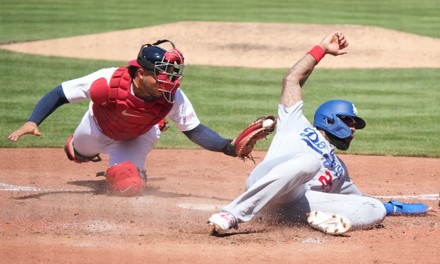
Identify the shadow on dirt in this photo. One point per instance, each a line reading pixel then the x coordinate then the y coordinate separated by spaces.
pixel 246 232
pixel 156 192
pixel 100 188
pixel 96 187
pixel 39 195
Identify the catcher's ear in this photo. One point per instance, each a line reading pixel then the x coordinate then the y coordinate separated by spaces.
pixel 140 73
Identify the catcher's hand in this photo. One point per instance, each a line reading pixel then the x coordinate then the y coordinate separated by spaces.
pixel 163 125
pixel 259 129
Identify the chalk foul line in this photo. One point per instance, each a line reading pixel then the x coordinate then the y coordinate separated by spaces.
pixel 430 196
pixel 206 206
pixel 17 188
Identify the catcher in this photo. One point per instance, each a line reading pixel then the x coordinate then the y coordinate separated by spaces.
pixel 129 108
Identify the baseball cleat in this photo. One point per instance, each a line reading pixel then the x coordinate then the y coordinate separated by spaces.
pixel 329 224
pixel 222 222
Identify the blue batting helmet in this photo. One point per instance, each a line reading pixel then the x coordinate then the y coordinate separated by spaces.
pixel 330 115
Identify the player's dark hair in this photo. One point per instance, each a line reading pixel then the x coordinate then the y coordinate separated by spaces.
pixel 132 71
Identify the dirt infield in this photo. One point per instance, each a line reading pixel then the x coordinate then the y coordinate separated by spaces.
pixel 57 211
pixel 256 45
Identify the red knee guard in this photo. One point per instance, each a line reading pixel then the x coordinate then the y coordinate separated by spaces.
pixel 124 179
pixel 75 156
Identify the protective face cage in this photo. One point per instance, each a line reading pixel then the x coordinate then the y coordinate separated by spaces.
pixel 166 65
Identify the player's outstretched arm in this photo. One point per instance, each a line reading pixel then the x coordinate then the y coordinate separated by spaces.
pixel 28 128
pixel 51 101
pixel 334 44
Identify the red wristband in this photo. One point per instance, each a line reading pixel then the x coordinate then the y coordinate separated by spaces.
pixel 317 52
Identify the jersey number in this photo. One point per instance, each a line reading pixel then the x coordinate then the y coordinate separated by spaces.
pixel 326 181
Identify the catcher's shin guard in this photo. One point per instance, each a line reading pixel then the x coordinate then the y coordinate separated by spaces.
pixel 124 179
pixel 75 156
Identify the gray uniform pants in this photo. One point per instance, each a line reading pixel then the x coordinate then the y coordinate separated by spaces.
pixel 281 182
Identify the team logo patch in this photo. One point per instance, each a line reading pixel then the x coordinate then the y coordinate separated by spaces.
pixel 355 111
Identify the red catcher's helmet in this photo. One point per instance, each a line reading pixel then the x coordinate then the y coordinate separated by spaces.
pixel 167 65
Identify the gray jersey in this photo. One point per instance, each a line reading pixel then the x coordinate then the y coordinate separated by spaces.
pixel 295 135
pixel 302 172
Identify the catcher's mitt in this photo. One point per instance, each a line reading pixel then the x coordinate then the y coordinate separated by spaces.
pixel 259 129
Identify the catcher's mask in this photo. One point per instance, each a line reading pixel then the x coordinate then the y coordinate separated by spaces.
pixel 335 117
pixel 166 65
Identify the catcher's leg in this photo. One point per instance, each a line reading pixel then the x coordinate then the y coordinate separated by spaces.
pixel 124 179
pixel 134 150
pixel 73 155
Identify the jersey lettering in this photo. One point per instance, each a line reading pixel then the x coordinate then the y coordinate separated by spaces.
pixel 326 181
pixel 189 117
pixel 311 138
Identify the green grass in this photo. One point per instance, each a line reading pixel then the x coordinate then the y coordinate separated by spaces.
pixel 42 19
pixel 400 105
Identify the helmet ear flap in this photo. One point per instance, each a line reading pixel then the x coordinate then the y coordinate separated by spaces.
pixel 332 124
pixel 329 121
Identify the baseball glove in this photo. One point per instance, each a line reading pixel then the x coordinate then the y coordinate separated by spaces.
pixel 259 129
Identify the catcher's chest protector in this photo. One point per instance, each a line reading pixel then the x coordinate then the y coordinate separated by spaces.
pixel 120 114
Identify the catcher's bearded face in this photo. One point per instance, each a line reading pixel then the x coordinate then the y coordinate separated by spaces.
pixel 146 85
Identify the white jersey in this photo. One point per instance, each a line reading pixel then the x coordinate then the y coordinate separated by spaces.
pixel 89 139
pixel 182 113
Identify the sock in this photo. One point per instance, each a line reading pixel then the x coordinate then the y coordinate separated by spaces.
pixel 389 208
